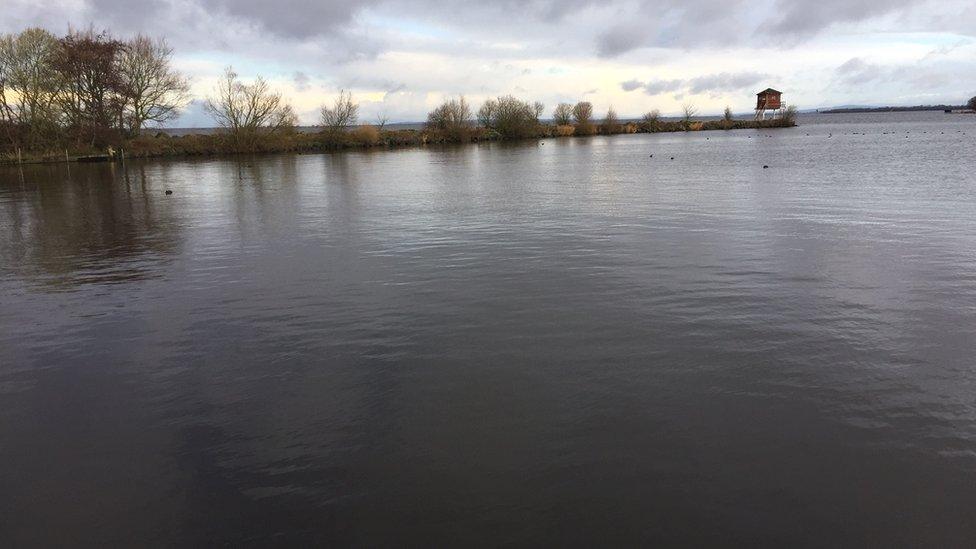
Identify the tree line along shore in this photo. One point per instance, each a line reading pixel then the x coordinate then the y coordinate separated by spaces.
pixel 88 94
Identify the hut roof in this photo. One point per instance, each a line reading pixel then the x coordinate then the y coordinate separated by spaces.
pixel 768 91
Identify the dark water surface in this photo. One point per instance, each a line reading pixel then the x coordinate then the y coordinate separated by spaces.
pixel 566 342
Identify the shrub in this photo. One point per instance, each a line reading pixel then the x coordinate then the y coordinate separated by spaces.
pixel 451 120
pixel 511 118
pixel 689 112
pixel 789 116
pixel 972 103
pixel 563 115
pixel 583 116
pixel 585 128
pixel 366 135
pixel 450 115
pixel 649 122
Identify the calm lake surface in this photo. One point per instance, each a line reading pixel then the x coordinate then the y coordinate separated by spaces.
pixel 566 342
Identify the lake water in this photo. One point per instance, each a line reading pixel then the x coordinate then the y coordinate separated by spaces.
pixel 567 342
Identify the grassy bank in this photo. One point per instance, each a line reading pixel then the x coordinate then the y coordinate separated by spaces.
pixel 362 137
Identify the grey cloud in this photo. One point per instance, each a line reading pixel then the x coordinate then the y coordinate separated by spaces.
pixel 654 87
pixel 301 81
pixel 681 23
pixel 124 13
pixel 946 49
pixel 856 71
pixel 618 40
pixel 923 76
pixel 293 18
pixel 711 83
pixel 631 85
pixel 610 27
pixel 723 82
pixel 806 18
pixel 698 23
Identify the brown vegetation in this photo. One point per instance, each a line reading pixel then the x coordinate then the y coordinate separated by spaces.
pixel 510 118
pixel 452 118
pixel 611 123
pixel 565 130
pixel 366 135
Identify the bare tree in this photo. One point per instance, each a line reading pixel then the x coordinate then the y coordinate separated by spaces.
pixel 583 112
pixel 6 112
pixel 381 119
pixel 538 108
pixel 487 112
pixel 689 111
pixel 563 114
pixel 91 93
pixel 611 122
pixel 583 116
pixel 343 114
pixel 284 119
pixel 29 83
pixel 247 109
pixel 154 91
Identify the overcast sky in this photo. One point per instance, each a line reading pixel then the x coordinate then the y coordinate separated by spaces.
pixel 402 57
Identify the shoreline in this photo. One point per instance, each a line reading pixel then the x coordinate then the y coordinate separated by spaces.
pixel 920 108
pixel 219 143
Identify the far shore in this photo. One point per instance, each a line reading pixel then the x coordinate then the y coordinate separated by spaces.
pixel 161 143
pixel 917 108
